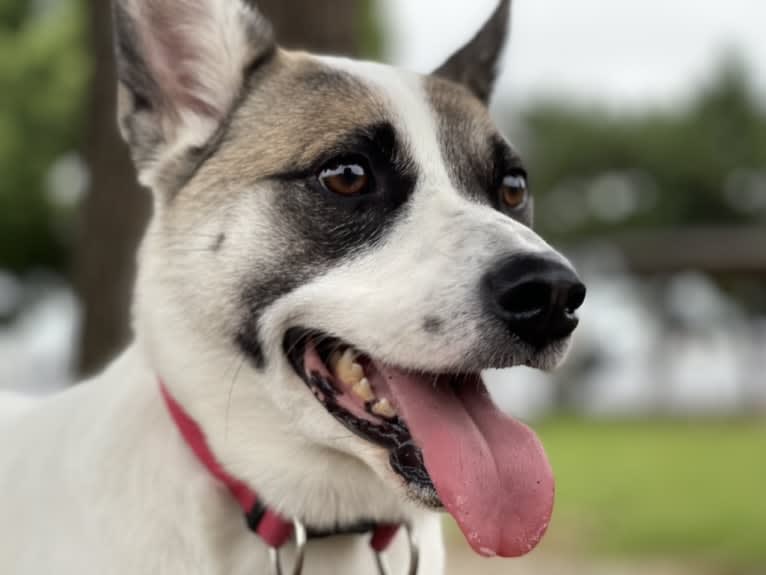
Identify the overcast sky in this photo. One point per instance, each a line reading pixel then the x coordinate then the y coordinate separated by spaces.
pixel 624 52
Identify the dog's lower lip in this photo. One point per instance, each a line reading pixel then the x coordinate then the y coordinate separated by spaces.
pixel 390 433
pixel 387 434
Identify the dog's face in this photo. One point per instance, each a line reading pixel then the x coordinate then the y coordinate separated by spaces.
pixel 361 236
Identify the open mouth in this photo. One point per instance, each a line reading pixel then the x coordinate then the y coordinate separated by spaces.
pixel 448 442
pixel 356 392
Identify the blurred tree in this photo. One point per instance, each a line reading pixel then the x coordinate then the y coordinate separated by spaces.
pixel 43 69
pixel 342 27
pixel 676 189
pixel 595 173
pixel 113 214
pixel 116 209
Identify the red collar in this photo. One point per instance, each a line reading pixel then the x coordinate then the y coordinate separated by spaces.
pixel 268 525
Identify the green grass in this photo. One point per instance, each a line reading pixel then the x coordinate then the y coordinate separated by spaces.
pixel 682 490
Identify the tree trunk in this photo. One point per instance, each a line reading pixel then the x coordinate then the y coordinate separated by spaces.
pixel 328 26
pixel 114 213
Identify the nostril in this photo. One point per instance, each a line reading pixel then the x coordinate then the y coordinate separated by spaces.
pixel 527 298
pixel 575 298
pixel 535 297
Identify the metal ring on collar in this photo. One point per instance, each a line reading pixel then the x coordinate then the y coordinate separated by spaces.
pixel 380 560
pixel 299 532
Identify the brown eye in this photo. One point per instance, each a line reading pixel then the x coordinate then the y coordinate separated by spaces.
pixel 349 178
pixel 514 193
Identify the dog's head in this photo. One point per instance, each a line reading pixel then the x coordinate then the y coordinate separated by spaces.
pixel 351 244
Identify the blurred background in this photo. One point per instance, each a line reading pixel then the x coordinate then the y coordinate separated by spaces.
pixel 644 126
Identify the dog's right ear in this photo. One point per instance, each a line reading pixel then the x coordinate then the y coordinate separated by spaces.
pixel 182 66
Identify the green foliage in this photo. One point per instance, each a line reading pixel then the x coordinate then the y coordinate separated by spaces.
pixel 595 171
pixel 681 490
pixel 43 73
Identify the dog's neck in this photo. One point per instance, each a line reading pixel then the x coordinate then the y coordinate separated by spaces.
pixel 272 528
pixel 257 443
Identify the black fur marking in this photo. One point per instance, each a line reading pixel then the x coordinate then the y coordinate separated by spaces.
pixel 331 227
pixel 249 343
pixel 256 298
pixel 378 143
pixel 252 69
pixel 218 243
pixel 433 325
pixel 321 228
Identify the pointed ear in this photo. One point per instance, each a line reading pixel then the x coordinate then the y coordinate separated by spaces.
pixel 475 64
pixel 181 67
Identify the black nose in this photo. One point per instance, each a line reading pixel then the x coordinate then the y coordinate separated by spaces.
pixel 535 297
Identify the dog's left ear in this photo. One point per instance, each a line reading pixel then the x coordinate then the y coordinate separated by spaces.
pixel 475 64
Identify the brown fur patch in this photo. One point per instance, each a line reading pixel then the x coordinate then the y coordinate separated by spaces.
pixel 296 109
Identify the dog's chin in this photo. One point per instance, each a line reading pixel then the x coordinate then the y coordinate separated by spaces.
pixel 361 393
pixel 546 359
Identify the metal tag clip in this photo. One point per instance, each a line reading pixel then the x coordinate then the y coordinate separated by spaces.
pixel 380 560
pixel 299 534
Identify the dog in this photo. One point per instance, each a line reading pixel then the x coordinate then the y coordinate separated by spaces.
pixel 338 250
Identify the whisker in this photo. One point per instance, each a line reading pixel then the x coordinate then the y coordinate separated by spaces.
pixel 340 437
pixel 300 341
pixel 234 378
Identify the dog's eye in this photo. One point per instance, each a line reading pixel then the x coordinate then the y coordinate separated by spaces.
pixel 346 177
pixel 514 192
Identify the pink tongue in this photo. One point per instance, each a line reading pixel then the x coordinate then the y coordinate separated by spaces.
pixel 490 471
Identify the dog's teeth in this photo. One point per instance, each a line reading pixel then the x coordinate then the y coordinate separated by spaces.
pixel 363 390
pixel 348 371
pixel 383 408
pixel 357 371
